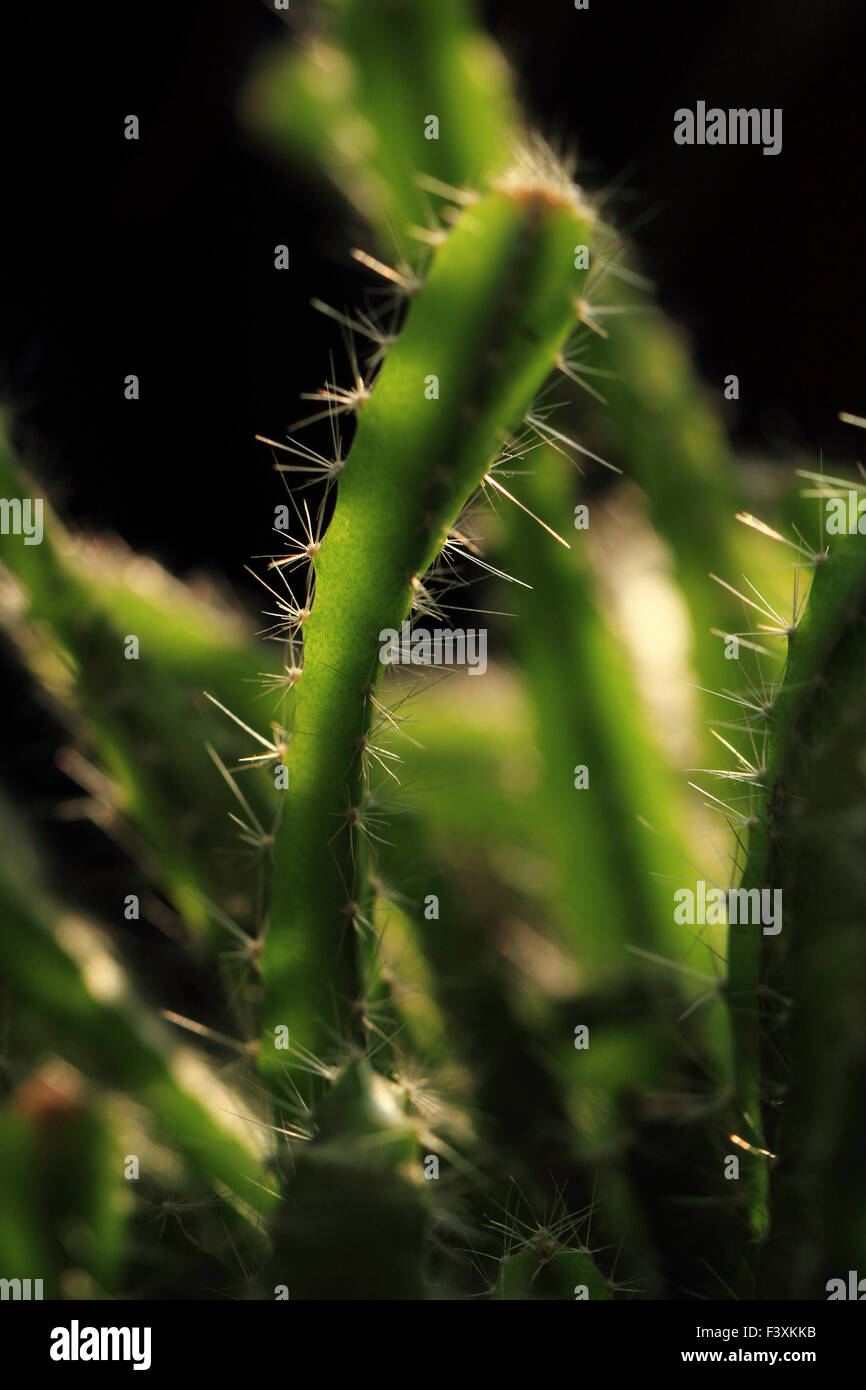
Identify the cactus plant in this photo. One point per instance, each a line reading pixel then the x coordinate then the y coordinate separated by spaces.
pixel 792 992
pixel 466 1048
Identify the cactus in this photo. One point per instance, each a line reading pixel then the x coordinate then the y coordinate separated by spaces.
pixel 793 994
pixel 466 1050
pixel 70 608
pixel 482 332
pixel 545 1273
pixel 481 335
